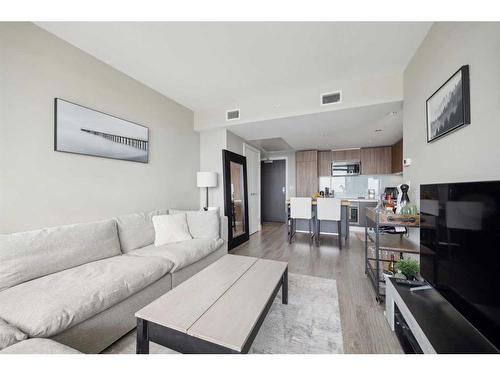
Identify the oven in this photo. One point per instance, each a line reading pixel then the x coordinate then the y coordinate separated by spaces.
pixel 353 213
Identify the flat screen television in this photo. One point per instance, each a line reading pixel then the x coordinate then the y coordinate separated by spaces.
pixel 460 249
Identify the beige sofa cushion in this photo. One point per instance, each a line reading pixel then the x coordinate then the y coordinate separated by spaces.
pixel 51 304
pixel 29 255
pixel 136 230
pixel 39 346
pixel 203 224
pixel 183 253
pixel 9 335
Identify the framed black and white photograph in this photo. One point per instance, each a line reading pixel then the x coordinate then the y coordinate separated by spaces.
pixel 81 130
pixel 449 107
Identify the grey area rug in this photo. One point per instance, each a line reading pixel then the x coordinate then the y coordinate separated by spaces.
pixel 309 324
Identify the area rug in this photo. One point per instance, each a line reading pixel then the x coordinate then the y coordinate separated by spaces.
pixel 309 324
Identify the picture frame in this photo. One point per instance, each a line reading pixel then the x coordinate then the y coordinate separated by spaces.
pixel 86 131
pixel 448 108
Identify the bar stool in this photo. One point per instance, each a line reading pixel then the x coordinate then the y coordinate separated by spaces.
pixel 329 209
pixel 300 208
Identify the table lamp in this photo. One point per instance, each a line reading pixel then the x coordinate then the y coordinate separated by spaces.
pixel 206 180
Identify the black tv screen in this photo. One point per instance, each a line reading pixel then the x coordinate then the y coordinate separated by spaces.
pixel 460 249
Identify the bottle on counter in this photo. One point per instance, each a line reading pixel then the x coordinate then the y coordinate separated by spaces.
pixel 392 265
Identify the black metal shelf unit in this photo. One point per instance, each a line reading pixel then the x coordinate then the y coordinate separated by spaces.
pixel 377 241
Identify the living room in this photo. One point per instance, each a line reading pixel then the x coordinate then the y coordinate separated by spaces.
pixel 248 187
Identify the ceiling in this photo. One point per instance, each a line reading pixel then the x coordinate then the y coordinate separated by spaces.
pixel 208 65
pixel 374 125
pixel 271 144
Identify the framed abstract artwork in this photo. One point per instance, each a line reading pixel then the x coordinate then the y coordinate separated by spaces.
pixel 81 130
pixel 448 109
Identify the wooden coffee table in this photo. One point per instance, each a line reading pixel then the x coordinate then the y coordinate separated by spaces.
pixel 218 310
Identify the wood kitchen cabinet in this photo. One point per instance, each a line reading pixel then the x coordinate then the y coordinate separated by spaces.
pixel 349 155
pixel 306 173
pixel 397 157
pixel 325 163
pixel 376 160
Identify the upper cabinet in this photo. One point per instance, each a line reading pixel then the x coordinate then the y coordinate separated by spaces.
pixel 324 163
pixel 343 155
pixel 397 157
pixel 306 155
pixel 306 173
pixel 376 160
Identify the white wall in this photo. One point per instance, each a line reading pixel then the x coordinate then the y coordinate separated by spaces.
pixel 212 142
pixel 234 143
pixel 470 153
pixel 40 187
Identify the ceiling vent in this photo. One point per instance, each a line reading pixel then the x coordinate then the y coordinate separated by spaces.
pixel 233 114
pixel 331 98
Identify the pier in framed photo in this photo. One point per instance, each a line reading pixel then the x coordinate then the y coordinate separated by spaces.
pixel 81 130
pixel 449 107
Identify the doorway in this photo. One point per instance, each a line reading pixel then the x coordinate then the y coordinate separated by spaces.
pixel 273 177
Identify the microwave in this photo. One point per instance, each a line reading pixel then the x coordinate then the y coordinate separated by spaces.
pixel 346 168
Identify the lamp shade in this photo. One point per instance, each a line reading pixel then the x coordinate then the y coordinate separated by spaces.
pixel 206 179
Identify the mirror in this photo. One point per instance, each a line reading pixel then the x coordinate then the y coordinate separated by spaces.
pixel 235 197
pixel 237 208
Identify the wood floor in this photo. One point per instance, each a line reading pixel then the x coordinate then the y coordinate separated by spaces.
pixel 364 327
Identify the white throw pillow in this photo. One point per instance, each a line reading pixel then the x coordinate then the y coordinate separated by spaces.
pixel 203 224
pixel 170 228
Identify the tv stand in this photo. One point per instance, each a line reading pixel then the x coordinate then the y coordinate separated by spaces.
pixel 425 322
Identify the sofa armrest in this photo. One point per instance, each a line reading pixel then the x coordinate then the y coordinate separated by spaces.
pixel 223 228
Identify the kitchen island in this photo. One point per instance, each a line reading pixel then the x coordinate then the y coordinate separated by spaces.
pixel 327 227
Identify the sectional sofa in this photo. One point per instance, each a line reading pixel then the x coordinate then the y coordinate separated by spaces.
pixel 80 285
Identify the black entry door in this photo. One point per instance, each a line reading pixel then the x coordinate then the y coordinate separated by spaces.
pixel 273 190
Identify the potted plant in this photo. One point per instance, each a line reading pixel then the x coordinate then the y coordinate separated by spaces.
pixel 408 267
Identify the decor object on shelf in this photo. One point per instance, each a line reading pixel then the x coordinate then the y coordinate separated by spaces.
pixel 206 180
pixel 81 130
pixel 391 268
pixel 403 198
pixel 449 107
pixel 408 267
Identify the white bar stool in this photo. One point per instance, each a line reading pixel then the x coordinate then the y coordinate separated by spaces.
pixel 329 209
pixel 300 208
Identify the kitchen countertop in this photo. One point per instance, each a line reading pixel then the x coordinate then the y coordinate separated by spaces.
pixel 360 200
pixel 344 202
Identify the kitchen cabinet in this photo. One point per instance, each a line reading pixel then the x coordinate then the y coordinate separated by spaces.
pixel 343 155
pixel 384 160
pixel 306 173
pixel 368 165
pixel 397 157
pixel 306 156
pixel 376 160
pixel 324 163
